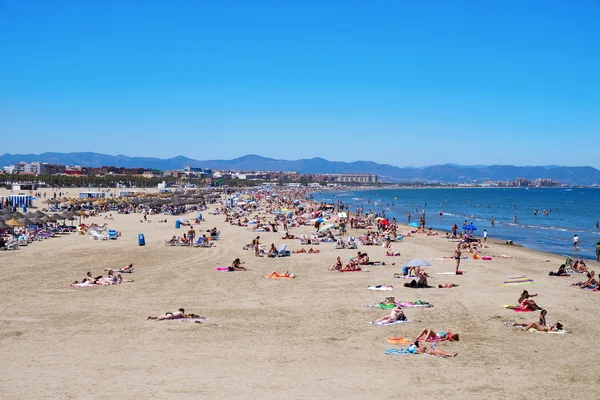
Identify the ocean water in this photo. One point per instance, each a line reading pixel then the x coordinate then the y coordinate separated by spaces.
pixel 571 211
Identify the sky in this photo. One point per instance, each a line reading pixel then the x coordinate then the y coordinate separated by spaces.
pixel 464 82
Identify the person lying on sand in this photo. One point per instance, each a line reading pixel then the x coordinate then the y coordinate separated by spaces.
pixel 526 304
pixel 286 274
pixel 396 314
pixel 422 349
pixel 170 315
pixel 543 328
pixel 288 236
pixel 447 285
pixel 542 320
pixel 236 265
pixel 430 334
pixel 127 268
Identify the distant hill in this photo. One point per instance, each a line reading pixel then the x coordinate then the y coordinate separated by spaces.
pixel 441 173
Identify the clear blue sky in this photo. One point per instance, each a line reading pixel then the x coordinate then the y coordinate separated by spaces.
pixel 474 82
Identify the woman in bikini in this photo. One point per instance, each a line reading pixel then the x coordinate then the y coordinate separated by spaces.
pixel 396 314
pixel 429 334
pixel 421 349
pixel 527 304
pixel 337 266
pixel 543 328
pixel 236 265
pixel 591 282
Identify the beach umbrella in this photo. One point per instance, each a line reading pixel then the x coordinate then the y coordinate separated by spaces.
pixel 470 227
pixel 18 215
pixel 39 213
pixel 36 220
pixel 14 222
pixel 414 224
pixel 29 214
pixel 417 263
pixel 4 226
pixel 319 220
pixel 26 221
pixel 326 227
pixel 384 222
pixel 48 219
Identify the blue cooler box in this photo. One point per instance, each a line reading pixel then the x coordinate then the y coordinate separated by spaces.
pixel 141 239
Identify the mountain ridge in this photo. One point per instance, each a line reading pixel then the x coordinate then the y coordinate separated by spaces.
pixel 445 173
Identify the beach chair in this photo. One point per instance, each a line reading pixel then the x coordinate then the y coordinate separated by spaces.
pixel 12 245
pixel 351 243
pixel 304 240
pixel 282 251
pixel 314 240
pixel 198 242
pixel 95 235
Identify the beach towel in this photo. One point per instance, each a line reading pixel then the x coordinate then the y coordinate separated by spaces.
pixel 518 280
pixel 83 284
pixel 390 323
pixel 561 332
pixel 398 340
pixel 120 271
pixel 222 269
pixel 416 304
pixel 515 308
pixel 197 320
pixel 398 351
pixel 450 273
pixel 380 287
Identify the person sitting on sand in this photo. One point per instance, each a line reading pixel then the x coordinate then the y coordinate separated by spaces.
pixel 337 265
pixel 590 283
pixel 351 266
pixel 543 328
pixel 525 303
pixel 170 315
pixel 447 285
pixel 422 349
pixel 396 314
pixel 562 271
pixel 431 335
pixel 272 251
pixel 541 321
pixel 236 265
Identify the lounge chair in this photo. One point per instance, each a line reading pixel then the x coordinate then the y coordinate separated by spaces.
pixel 282 251
pixel 314 239
pixel 304 240
pixel 95 235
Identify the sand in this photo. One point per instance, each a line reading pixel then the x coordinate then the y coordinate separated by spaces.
pixel 298 338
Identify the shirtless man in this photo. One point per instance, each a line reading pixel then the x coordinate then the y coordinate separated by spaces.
pixel 169 315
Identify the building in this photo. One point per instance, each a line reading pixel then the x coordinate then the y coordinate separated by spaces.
pixel 357 178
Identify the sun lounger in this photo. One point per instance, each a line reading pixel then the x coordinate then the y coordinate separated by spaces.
pixel 314 239
pixel 95 235
pixel 282 251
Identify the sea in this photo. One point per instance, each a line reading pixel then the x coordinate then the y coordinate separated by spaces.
pixel 569 212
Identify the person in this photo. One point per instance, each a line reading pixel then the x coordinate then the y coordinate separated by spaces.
pixel 457 254
pixel 492 221
pixel 286 274
pixel 542 320
pixel 575 242
pixel 191 235
pixel 596 225
pixel 236 265
pixel 337 265
pixel 288 236
pixel 272 251
pixel 525 303
pixel 396 314
pixel 562 271
pixel 591 281
pixel 598 252
pixel 256 243
pixel 485 236
pixel 127 268
pixel 170 315
pixel 544 328
pixel 429 334
pixel 421 349
pixel 447 285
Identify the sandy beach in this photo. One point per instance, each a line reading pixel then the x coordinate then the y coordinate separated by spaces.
pixel 307 337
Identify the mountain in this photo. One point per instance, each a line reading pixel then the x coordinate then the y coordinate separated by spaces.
pixel 442 173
